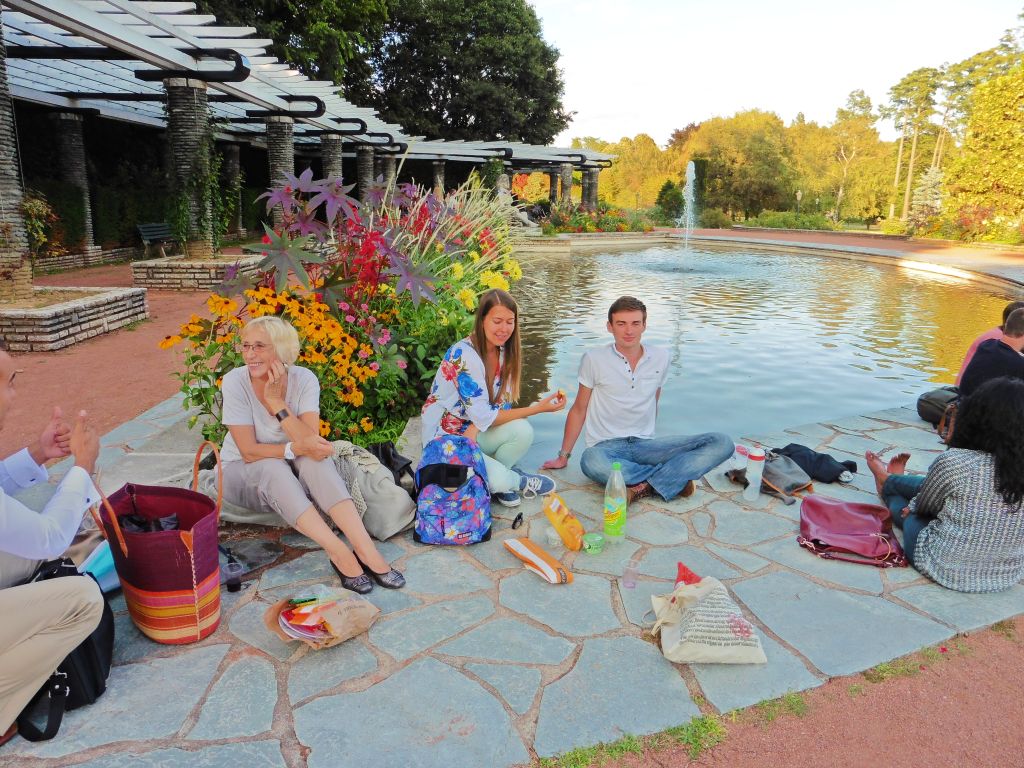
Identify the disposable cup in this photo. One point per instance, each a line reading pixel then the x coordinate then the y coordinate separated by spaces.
pixel 593 543
pixel 629 574
pixel 233 576
pixel 552 537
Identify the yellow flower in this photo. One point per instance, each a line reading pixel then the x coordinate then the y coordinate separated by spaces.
pixel 458 271
pixel 468 298
pixel 514 270
pixel 169 341
pixel 353 429
pixel 325 428
pixel 366 424
pixel 221 306
pixel 491 279
pixel 474 256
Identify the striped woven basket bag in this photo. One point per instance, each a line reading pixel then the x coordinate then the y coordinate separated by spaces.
pixel 171 578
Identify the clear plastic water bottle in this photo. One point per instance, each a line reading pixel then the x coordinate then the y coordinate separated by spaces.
pixel 755 469
pixel 615 505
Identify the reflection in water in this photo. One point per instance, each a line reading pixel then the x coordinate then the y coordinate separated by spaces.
pixel 759 341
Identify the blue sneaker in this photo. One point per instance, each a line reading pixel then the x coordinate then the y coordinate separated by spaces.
pixel 535 485
pixel 508 499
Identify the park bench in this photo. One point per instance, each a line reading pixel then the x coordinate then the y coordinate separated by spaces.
pixel 155 234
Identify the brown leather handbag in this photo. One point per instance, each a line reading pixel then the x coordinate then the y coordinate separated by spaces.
pixel 849 531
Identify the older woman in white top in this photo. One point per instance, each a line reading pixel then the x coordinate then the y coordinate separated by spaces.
pixel 274 458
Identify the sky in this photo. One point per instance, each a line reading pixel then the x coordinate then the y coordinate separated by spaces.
pixel 651 66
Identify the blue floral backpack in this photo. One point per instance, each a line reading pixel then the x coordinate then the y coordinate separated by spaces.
pixel 454 504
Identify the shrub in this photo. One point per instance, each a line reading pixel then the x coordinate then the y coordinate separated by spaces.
pixel 68 205
pixel 790 220
pixel 715 218
pixel 376 309
pixel 894 227
pixel 40 222
pixel 604 219
pixel 670 201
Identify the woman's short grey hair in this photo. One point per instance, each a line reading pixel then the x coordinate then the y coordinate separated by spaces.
pixel 282 335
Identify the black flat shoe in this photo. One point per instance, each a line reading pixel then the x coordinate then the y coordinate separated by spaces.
pixel 360 584
pixel 391 580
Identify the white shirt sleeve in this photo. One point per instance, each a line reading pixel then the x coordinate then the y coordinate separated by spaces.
pixel 236 410
pixel 308 399
pixel 588 371
pixel 45 535
pixel 20 471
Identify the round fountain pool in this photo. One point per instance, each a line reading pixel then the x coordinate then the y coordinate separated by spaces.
pixel 759 341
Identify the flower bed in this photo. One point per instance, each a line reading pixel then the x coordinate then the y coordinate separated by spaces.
pixel 377 291
pixel 604 219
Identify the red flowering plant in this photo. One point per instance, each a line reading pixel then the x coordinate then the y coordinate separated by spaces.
pixel 377 290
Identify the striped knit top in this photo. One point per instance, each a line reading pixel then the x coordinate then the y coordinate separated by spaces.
pixel 976 541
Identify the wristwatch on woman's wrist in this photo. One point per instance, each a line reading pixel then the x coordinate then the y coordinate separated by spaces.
pixel 565 455
pixel 288 452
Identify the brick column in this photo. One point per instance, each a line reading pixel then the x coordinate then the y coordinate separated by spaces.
pixel 591 175
pixel 73 171
pixel 187 129
pixel 565 171
pixel 364 170
pixel 439 178
pixel 233 176
pixel 553 188
pixel 585 189
pixel 15 267
pixel 331 155
pixel 281 157
pixel 389 169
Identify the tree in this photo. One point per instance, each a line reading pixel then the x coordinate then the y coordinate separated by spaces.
pixel 854 138
pixel 913 99
pixel 318 37
pixel 927 203
pixel 989 173
pixel 462 69
pixel 748 163
pixel 680 136
pixel 670 200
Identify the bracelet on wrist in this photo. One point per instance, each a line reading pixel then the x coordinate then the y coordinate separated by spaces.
pixel 282 414
pixel 565 455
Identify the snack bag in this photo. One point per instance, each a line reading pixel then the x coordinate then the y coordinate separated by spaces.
pixel 564 521
pixel 539 561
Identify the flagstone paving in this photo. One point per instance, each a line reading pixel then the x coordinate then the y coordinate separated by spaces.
pixel 477 662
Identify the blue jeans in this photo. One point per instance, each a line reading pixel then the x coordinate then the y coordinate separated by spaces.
pixel 897 491
pixel 666 463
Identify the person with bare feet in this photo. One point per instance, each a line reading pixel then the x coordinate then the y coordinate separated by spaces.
pixel 962 522
pixel 617 401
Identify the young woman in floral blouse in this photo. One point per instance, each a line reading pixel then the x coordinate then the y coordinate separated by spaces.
pixel 473 393
pixel 963 524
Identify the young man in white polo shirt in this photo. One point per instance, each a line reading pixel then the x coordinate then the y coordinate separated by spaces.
pixel 618 403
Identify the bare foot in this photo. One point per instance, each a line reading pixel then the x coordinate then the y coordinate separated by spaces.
pixel 898 464
pixel 878 469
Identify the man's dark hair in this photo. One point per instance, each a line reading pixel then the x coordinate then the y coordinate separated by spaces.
pixel 1010 308
pixel 627 304
pixel 1014 325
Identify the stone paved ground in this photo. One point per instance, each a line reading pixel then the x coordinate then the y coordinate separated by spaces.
pixel 479 663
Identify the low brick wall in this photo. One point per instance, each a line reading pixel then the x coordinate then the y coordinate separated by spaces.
pixel 91 258
pixel 100 310
pixel 177 274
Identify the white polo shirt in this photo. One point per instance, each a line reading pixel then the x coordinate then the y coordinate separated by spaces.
pixel 623 402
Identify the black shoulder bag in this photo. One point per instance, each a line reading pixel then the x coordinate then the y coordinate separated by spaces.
pixel 82 677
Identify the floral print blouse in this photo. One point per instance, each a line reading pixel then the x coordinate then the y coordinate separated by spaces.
pixel 458 396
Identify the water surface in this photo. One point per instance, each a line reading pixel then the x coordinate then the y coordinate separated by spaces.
pixel 759 341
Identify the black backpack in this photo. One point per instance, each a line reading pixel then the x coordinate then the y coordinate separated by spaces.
pixel 82 677
pixel 932 405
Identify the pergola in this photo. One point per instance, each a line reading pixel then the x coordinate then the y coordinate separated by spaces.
pixel 161 64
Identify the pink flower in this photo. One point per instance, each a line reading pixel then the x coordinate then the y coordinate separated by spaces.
pixel 365 307
pixel 344 307
pixel 350 318
pixel 402 364
pixel 374 366
pixel 363 354
pixel 385 336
